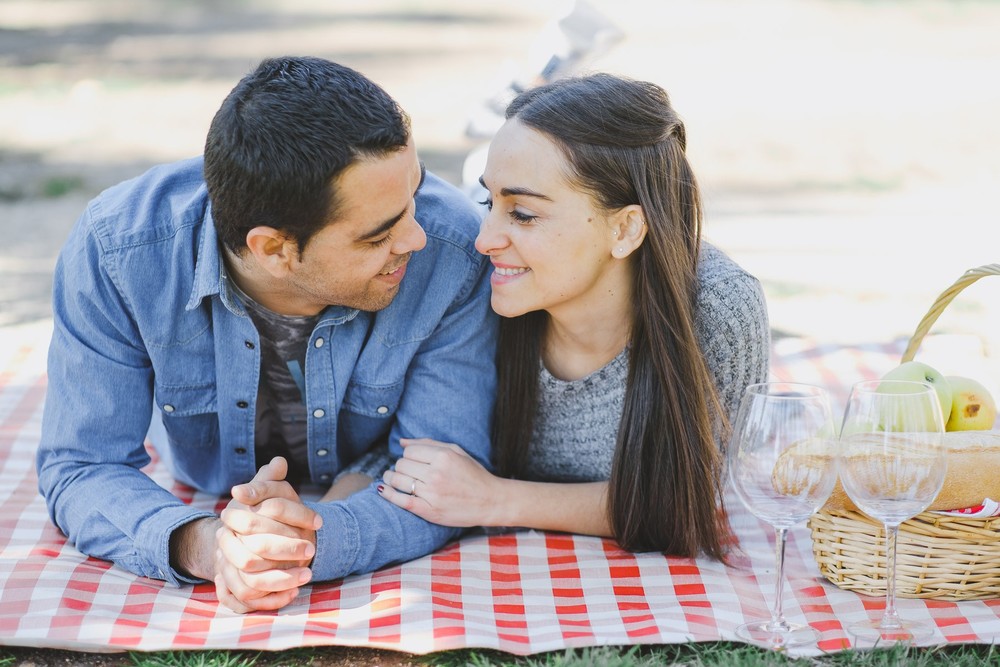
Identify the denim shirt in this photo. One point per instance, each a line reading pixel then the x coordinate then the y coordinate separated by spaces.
pixel 146 325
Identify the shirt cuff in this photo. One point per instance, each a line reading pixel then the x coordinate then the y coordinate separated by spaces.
pixel 153 543
pixel 337 542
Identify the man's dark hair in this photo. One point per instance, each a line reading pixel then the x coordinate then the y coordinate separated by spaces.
pixel 281 138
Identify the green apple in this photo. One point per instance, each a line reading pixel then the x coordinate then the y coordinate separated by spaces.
pixel 917 371
pixel 972 407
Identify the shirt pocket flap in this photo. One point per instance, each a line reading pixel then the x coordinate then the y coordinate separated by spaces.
pixel 377 402
pixel 175 401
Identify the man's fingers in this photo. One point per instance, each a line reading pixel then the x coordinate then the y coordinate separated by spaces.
pixel 281 504
pixel 277 581
pixel 277 516
pixel 257 587
pixel 247 522
pixel 226 597
pixel 262 602
pixel 241 555
pixel 290 512
pixel 233 553
pixel 274 470
pixel 267 483
pixel 276 548
pixel 258 490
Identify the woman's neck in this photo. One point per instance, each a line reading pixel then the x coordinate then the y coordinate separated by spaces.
pixel 582 339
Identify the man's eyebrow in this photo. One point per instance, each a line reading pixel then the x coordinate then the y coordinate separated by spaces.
pixel 390 223
pixel 509 192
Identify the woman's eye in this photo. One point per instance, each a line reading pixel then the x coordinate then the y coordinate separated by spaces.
pixel 521 217
pixel 488 203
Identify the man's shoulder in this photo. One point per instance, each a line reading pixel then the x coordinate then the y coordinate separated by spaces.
pixel 151 205
pixel 446 214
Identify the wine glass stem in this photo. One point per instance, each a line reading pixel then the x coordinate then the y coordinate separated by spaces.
pixel 890 619
pixel 777 613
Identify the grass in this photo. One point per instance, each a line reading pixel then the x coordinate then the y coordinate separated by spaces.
pixel 719 654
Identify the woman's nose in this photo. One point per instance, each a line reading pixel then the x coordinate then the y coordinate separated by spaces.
pixel 490 239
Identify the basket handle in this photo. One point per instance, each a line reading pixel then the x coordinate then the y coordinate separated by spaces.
pixel 966 279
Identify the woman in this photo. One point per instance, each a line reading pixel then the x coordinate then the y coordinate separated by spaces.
pixel 626 340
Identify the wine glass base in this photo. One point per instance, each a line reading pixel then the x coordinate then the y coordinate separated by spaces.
pixel 907 632
pixel 777 636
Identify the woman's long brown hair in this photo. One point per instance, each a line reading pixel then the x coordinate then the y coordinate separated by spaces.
pixel 626 145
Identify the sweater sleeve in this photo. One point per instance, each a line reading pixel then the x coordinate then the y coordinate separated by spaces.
pixel 732 326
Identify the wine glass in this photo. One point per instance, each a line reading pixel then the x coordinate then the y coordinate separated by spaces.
pixel 782 462
pixel 892 465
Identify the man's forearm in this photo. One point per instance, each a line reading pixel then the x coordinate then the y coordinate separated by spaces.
pixel 193 547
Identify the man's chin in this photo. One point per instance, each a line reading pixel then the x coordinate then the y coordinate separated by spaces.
pixel 374 304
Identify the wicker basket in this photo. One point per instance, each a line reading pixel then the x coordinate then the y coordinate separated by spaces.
pixel 937 556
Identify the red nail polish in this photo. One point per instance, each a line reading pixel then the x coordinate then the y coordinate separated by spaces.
pixel 380 488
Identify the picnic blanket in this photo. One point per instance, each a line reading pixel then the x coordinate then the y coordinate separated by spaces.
pixel 522 592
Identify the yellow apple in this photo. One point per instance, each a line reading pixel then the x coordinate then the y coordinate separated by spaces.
pixel 972 407
pixel 917 371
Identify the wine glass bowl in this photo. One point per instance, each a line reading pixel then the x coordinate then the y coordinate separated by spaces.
pixel 782 464
pixel 892 465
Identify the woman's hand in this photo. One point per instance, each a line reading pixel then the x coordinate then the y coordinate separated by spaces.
pixel 439 482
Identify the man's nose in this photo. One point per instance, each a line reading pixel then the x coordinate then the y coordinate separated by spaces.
pixel 412 238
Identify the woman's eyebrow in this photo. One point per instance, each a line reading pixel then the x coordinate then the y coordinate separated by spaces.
pixel 525 192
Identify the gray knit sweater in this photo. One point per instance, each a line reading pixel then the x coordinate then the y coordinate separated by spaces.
pixel 577 422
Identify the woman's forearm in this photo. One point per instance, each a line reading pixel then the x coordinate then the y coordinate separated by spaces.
pixel 571 508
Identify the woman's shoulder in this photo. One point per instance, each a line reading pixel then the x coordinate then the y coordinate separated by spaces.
pixel 714 265
pixel 726 289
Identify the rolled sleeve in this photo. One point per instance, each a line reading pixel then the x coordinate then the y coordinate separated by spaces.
pixel 365 532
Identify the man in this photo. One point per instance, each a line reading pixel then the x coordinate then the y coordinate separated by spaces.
pixel 300 296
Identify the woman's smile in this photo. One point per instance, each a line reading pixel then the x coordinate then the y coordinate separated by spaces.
pixel 503 274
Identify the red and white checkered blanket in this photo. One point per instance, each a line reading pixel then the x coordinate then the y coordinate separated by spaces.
pixel 522 593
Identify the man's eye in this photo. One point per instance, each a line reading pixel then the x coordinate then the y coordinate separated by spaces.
pixel 382 241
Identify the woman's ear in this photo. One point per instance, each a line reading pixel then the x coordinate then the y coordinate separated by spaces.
pixel 628 231
pixel 271 249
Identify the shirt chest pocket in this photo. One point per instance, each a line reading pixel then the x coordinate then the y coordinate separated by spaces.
pixel 368 414
pixel 189 414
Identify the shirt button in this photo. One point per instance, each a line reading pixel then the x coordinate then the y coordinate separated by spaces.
pixel 325 477
pixel 322 452
pixel 319 342
pixel 318 412
pixel 249 344
pixel 167 407
pixel 241 404
pixel 382 409
pixel 240 450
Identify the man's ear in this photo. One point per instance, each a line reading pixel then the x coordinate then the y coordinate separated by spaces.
pixel 628 231
pixel 272 250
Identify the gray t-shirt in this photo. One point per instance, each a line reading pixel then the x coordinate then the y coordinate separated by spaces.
pixel 576 426
pixel 281 428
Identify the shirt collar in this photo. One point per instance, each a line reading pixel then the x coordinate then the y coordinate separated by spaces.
pixel 209 269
